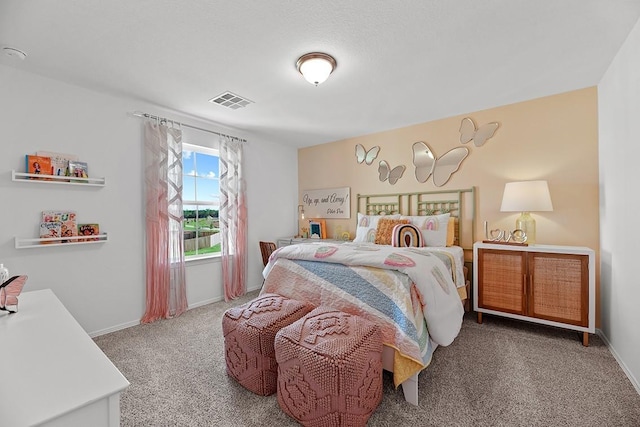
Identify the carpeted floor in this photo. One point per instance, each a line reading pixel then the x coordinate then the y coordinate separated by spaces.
pixel 499 373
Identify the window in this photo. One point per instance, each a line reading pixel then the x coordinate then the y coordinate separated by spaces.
pixel 200 201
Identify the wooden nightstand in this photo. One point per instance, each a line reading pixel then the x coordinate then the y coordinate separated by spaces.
pixel 551 285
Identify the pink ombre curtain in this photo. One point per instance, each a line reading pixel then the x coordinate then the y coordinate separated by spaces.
pixel 165 274
pixel 233 218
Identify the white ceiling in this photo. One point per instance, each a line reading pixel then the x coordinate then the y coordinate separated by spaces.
pixel 399 62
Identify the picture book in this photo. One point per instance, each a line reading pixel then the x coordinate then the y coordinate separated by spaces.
pixel 78 169
pixel 88 230
pixel 50 229
pixel 40 165
pixel 67 221
pixel 59 162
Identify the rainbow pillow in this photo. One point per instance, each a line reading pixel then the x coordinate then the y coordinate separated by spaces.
pixel 406 235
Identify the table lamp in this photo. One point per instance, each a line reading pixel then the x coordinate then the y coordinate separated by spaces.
pixel 300 218
pixel 526 197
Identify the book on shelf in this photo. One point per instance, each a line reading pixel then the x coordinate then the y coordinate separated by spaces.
pixel 78 169
pixel 67 221
pixel 88 230
pixel 49 230
pixel 40 165
pixel 59 162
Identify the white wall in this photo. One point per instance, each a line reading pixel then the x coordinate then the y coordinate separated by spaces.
pixel 619 154
pixel 102 285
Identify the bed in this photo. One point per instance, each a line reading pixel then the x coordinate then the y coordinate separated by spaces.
pixel 414 293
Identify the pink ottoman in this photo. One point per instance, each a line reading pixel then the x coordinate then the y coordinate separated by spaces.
pixel 329 369
pixel 249 333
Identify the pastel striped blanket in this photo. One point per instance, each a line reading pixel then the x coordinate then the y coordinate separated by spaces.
pixel 398 288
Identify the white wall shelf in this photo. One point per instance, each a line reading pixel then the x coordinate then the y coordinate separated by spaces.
pixel 55 179
pixel 48 242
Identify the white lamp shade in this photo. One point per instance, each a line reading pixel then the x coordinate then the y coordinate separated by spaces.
pixel 526 196
pixel 316 67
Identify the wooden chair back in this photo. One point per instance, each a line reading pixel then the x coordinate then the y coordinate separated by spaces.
pixel 267 248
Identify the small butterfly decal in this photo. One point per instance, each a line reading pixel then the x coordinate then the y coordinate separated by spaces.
pixel 469 132
pixel 440 168
pixel 386 173
pixel 9 292
pixel 365 156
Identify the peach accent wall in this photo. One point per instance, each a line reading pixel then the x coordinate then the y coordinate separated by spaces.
pixel 554 138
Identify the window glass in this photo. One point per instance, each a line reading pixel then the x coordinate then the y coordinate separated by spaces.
pixel 200 200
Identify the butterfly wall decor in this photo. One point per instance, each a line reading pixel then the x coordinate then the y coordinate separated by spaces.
pixel 440 168
pixel 386 173
pixel 9 292
pixel 362 155
pixel 469 132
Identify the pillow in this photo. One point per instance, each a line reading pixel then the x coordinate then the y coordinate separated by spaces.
pixel 451 231
pixel 367 226
pixel 434 228
pixel 385 228
pixel 406 235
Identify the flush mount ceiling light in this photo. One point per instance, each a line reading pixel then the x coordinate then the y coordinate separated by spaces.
pixel 13 52
pixel 315 67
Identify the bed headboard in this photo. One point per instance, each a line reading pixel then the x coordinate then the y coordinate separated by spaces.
pixel 461 204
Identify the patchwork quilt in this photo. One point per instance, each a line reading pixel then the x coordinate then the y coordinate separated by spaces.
pixel 411 293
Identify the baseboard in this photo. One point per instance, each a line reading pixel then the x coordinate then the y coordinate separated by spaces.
pixel 626 370
pixel 137 322
pixel 114 328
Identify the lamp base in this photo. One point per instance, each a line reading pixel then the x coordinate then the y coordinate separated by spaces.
pixel 526 223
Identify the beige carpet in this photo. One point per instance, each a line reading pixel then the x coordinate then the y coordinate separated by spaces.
pixel 500 373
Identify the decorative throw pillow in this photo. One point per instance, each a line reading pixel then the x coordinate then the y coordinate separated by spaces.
pixel 406 235
pixel 367 226
pixel 434 228
pixel 385 229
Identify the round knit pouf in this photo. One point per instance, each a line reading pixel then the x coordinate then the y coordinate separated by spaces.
pixel 329 369
pixel 249 333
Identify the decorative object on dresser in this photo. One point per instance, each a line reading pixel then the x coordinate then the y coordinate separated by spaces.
pixel 526 197
pixel 9 291
pixel 551 285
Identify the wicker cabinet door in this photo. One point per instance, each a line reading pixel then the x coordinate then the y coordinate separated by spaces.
pixel 501 280
pixel 559 288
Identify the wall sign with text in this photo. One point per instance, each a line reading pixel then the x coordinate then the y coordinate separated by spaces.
pixel 327 203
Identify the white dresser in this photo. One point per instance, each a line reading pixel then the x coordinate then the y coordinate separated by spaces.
pixel 52 372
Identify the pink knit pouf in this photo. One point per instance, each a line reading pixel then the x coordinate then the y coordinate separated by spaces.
pixel 249 333
pixel 329 369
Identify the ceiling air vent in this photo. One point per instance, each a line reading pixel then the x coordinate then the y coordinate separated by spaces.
pixel 230 100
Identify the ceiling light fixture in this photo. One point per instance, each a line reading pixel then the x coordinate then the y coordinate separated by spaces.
pixel 14 53
pixel 315 67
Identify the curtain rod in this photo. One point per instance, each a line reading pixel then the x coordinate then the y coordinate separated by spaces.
pixel 151 116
